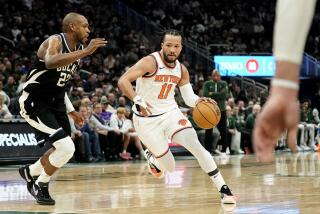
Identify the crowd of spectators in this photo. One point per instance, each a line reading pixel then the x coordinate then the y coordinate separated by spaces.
pixel 233 26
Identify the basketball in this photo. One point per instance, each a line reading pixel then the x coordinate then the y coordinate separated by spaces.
pixel 206 115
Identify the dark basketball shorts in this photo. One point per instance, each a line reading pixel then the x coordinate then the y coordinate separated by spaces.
pixel 45 120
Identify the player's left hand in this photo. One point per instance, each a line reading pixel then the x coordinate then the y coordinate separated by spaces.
pixel 77 117
pixel 206 99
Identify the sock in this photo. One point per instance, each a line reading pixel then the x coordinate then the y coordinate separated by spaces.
pixel 44 178
pixel 217 178
pixel 36 168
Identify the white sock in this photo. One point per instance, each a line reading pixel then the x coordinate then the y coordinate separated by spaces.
pixel 217 178
pixel 44 178
pixel 36 168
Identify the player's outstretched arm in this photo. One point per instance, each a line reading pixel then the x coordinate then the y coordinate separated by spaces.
pixel 54 59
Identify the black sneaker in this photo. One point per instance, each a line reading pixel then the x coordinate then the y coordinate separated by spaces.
pixel 226 195
pixel 41 194
pixel 24 172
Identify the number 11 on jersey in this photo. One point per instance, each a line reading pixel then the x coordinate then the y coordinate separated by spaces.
pixel 165 91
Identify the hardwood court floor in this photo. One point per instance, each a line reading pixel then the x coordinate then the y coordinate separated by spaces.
pixel 289 185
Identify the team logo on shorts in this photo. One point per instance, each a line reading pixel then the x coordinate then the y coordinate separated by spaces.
pixel 183 122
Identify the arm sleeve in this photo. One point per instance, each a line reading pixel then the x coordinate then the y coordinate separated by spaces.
pixel 188 95
pixel 292 23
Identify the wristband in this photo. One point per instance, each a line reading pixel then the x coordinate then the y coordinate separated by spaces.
pixel 139 101
pixel 285 84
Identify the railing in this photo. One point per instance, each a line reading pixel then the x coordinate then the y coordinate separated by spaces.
pixel 253 89
pixel 310 66
pixel 8 40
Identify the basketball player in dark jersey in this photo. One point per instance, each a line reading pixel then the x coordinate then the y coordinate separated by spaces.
pixel 45 104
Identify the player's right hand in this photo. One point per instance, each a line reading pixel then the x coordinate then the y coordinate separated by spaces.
pixel 145 111
pixel 279 114
pixel 143 107
pixel 95 44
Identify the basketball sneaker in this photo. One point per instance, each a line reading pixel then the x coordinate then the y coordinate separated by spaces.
pixel 153 169
pixel 226 195
pixel 41 194
pixel 24 172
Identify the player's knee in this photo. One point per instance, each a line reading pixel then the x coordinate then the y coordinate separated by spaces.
pixel 68 147
pixel 64 151
pixel 185 136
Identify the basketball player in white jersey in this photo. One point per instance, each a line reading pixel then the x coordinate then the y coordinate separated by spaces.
pixel 157 117
pixel 281 111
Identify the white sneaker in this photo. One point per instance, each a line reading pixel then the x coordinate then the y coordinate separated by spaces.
pixel 226 195
pixel 228 151
pixel 152 168
pixel 217 151
pixel 306 148
pixel 240 151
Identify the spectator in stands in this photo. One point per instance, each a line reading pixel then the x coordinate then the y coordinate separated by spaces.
pixel 248 109
pixel 4 111
pixel 101 127
pixel 234 130
pixel 250 122
pixel 116 135
pixel 10 88
pixel 217 89
pixel 6 98
pixel 130 135
pixel 77 81
pixel 112 100
pixel 91 138
pixel 79 140
pixel 106 107
pixel 241 113
pixel 231 127
pixel 91 84
pixel 74 95
pixel 85 101
pixel 123 103
pixel 231 102
pixel 307 125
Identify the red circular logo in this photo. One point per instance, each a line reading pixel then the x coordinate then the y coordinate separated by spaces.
pixel 252 65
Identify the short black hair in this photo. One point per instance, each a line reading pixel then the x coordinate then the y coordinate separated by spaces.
pixel 172 32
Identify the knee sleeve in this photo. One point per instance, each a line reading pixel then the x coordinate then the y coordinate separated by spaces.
pixel 64 149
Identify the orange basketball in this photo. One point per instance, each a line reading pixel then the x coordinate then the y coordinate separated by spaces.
pixel 206 114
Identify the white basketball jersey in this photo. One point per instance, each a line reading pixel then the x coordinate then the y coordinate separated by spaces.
pixel 158 88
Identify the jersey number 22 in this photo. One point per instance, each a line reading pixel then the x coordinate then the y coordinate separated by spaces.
pixel 64 78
